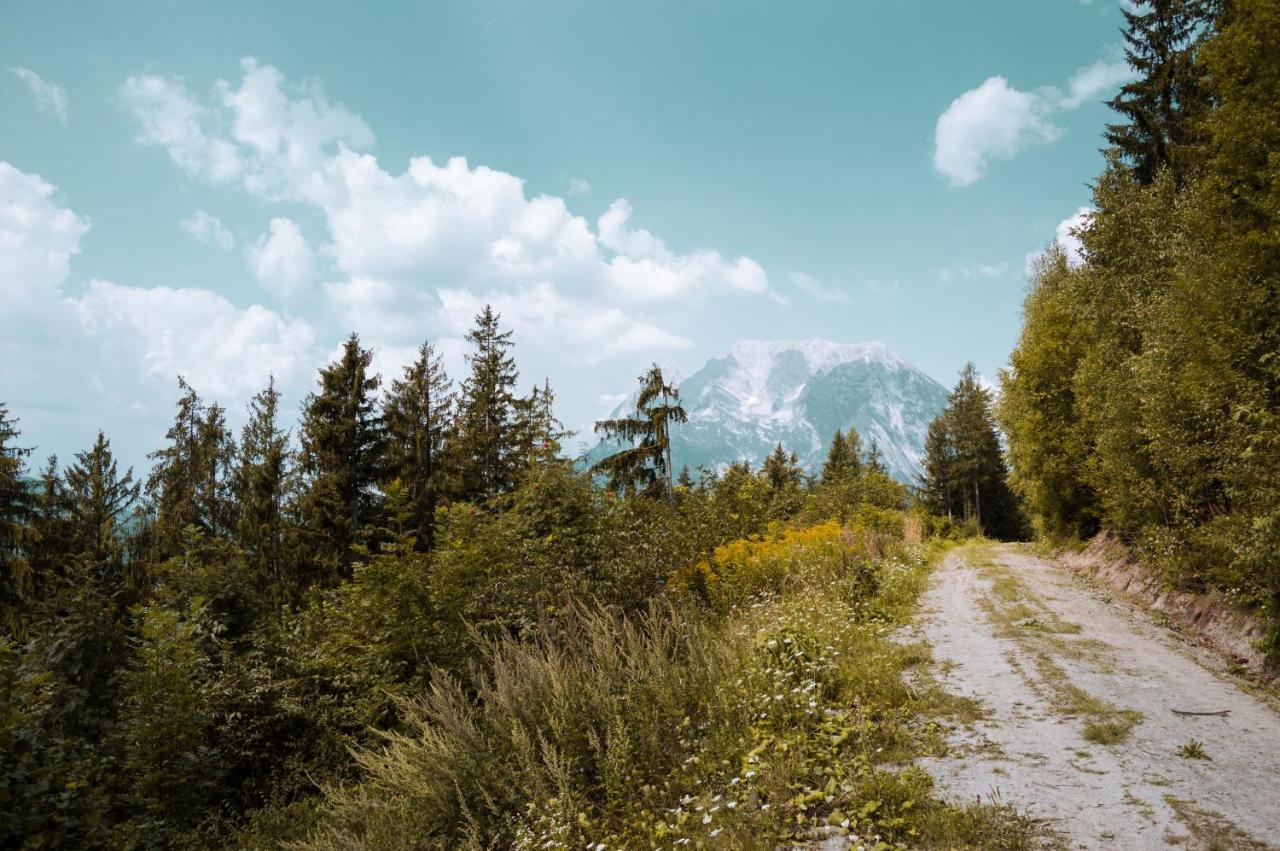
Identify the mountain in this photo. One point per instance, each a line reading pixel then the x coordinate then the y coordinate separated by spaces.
pixel 762 392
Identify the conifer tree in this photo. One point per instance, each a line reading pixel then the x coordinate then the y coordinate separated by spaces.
pixel 260 485
pixel 539 433
pixel 643 464
pixel 1165 106
pixel 781 469
pixel 15 504
pixel 97 498
pixel 342 440
pixel 191 480
pixel 485 440
pixel 417 412
pixel 875 459
pixel 843 458
pixel 964 465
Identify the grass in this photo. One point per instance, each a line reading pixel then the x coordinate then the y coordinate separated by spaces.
pixel 1107 732
pixel 772 716
pixel 1193 749
pixel 1210 830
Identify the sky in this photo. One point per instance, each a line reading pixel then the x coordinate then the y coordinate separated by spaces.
pixel 225 191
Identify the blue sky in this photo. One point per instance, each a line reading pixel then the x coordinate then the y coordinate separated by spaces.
pixel 226 190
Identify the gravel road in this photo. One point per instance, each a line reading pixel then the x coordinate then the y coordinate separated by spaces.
pixel 1079 693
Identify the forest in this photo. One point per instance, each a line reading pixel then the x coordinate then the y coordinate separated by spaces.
pixel 410 620
pixel 1144 393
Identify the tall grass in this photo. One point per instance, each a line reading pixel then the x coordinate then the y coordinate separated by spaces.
pixel 736 725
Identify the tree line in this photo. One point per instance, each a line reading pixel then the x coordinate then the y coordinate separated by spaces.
pixel 190 656
pixel 1143 396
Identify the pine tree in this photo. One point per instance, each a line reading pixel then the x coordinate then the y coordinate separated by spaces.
pixel 340 457
pixel 485 441
pixel 260 484
pixel 97 498
pixel 15 505
pixel 417 412
pixel 875 459
pixel 539 433
pixel 843 463
pixel 935 479
pixel 1165 106
pixel 643 464
pixel 781 469
pixel 964 467
pixel 189 485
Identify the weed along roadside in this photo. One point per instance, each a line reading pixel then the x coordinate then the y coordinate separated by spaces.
pixel 785 712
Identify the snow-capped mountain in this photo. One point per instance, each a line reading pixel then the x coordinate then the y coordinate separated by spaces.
pixel 762 392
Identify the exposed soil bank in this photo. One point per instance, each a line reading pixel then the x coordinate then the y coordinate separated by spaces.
pixel 1207 616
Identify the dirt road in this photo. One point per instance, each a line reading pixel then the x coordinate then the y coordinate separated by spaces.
pixel 1078 694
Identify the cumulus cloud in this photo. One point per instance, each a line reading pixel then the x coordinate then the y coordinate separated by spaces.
pixel 1066 237
pixel 50 97
pixel 38 238
pixel 225 351
pixel 282 259
pixel 578 186
pixel 208 229
pixel 116 349
pixel 542 314
pixel 1103 76
pixel 407 243
pixel 996 121
pixel 993 121
pixel 169 117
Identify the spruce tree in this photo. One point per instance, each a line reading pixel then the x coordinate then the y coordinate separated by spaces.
pixel 340 458
pixel 260 485
pixel 417 415
pixel 485 441
pixel 15 505
pixel 875 459
pixel 97 498
pixel 539 433
pixel 643 463
pixel 843 462
pixel 189 485
pixel 964 465
pixel 781 469
pixel 1165 106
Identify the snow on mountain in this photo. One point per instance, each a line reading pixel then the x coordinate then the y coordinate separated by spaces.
pixel 800 392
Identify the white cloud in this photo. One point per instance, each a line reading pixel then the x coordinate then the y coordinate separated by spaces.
pixel 578 186
pixel 1091 81
pixel 993 121
pixel 37 240
pixel 282 259
pixel 974 271
pixel 225 351
pixel 49 97
pixel 208 229
pixel 407 243
pixel 814 288
pixel 116 350
pixel 541 314
pixel 996 121
pixel 169 117
pixel 1066 236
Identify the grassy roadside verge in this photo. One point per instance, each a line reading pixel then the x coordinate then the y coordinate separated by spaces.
pixel 764 702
